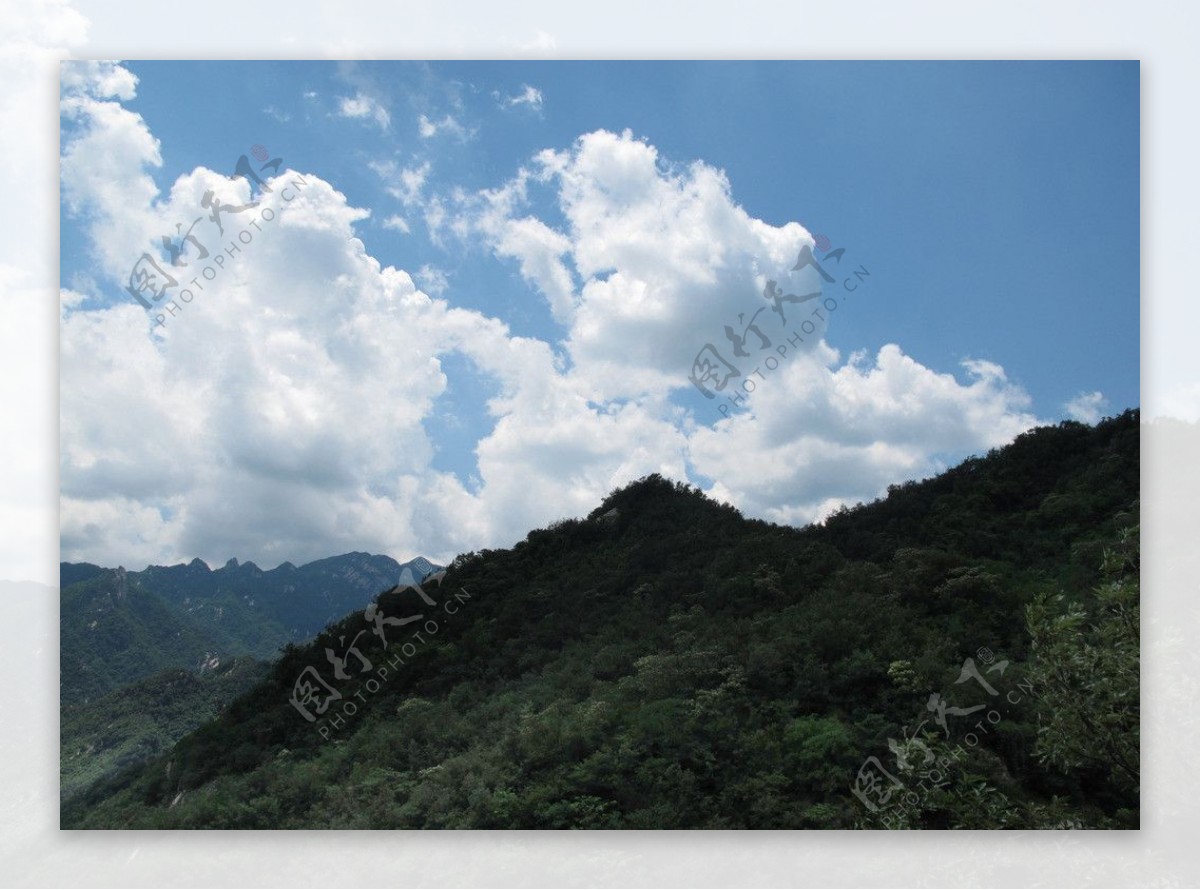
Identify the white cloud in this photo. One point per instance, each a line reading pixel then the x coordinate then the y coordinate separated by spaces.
pixel 447 125
pixel 818 434
pixel 432 280
pixel 104 80
pixel 539 249
pixel 406 184
pixel 1087 407
pixel 529 97
pixel 667 259
pixel 360 105
pixel 662 252
pixel 104 166
pixel 412 180
pixel 435 219
pixel 397 223
pixel 281 414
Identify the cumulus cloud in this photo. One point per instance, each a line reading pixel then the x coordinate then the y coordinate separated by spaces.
pixel 280 413
pixel 102 79
pixel 660 252
pixel 104 167
pixel 537 248
pixel 820 433
pixel 1087 407
pixel 360 105
pixel 656 260
pixel 396 223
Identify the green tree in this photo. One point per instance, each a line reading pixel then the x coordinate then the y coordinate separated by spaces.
pixel 1085 670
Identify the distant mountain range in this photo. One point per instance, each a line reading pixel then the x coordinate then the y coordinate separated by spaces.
pixel 118 626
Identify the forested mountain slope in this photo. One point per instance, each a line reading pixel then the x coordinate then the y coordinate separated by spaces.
pixel 666 663
pixel 144 718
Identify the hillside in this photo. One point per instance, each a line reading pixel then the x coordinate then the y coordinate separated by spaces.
pixel 146 657
pixel 666 663
pixel 118 627
pixel 143 719
pixel 114 631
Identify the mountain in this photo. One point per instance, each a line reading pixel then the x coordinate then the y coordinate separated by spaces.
pixel 146 657
pixel 928 660
pixel 144 718
pixel 73 572
pixel 114 631
pixel 118 627
pixel 416 571
pixel 300 601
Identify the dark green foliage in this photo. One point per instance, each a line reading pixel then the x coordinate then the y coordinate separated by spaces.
pixel 73 572
pixel 144 719
pixel 114 631
pixel 146 657
pixel 1086 657
pixel 666 663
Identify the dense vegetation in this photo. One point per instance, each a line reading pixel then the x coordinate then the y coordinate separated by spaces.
pixel 145 718
pixel 114 631
pixel 118 627
pixel 146 657
pixel 666 663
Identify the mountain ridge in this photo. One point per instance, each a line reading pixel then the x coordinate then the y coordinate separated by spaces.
pixel 186 614
pixel 673 664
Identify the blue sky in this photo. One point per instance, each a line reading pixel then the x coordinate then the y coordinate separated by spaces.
pixel 995 204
